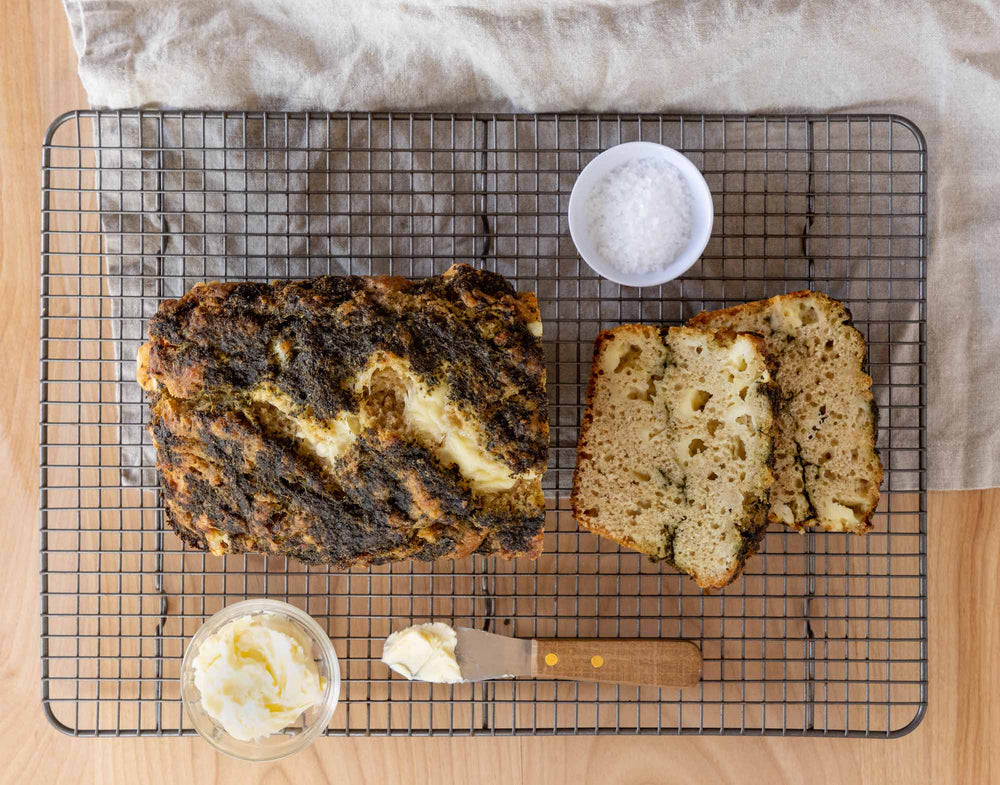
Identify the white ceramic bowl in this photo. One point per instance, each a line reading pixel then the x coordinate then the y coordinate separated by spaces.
pixel 313 721
pixel 702 212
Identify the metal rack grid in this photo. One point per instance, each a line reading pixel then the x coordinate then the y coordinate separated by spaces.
pixel 825 634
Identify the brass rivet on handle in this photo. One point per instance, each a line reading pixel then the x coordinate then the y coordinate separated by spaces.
pixel 551 659
pixel 597 660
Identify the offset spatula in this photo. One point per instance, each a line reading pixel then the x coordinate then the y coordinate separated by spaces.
pixel 640 661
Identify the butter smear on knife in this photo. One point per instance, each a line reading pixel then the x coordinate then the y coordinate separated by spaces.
pixel 425 652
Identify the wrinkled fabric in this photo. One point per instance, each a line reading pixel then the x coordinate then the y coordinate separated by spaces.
pixel 936 63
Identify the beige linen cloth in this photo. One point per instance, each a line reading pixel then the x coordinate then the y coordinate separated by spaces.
pixel 937 63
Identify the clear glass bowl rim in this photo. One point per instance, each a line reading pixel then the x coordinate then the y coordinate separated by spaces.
pixel 316 633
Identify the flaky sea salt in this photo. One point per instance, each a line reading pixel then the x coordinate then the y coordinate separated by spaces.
pixel 640 215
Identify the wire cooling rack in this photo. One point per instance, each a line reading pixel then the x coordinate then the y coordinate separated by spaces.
pixel 825 634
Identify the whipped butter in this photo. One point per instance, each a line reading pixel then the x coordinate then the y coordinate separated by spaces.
pixel 425 652
pixel 256 675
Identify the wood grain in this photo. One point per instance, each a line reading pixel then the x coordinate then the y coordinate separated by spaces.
pixel 959 740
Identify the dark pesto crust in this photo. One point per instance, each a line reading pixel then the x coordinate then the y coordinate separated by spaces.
pixel 466 328
pixel 224 470
pixel 269 498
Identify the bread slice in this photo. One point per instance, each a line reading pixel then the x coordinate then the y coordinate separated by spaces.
pixel 827 470
pixel 675 447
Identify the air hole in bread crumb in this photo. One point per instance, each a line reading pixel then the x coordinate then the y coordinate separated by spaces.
pixel 828 344
pixel 696 446
pixel 857 508
pixel 591 512
pixel 740 450
pixel 713 476
pixel 628 359
pixel 648 393
pixel 743 393
pixel 632 513
pixel 699 399
pixel 713 426
pixel 642 476
pixel 698 350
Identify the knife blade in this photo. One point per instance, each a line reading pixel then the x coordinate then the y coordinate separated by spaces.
pixel 484 655
pixel 639 661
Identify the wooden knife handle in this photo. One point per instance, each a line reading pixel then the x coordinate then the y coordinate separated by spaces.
pixel 641 661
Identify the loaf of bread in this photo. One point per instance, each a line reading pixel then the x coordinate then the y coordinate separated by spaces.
pixel 827 471
pixel 351 420
pixel 675 447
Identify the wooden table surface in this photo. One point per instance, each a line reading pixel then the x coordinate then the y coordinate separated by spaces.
pixel 958 741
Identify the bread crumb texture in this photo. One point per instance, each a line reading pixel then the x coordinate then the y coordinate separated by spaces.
pixel 827 469
pixel 675 447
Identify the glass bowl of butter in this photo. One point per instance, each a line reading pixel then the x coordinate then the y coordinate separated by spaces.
pixel 260 680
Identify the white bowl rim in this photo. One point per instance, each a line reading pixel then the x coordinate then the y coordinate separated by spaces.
pixel 612 157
